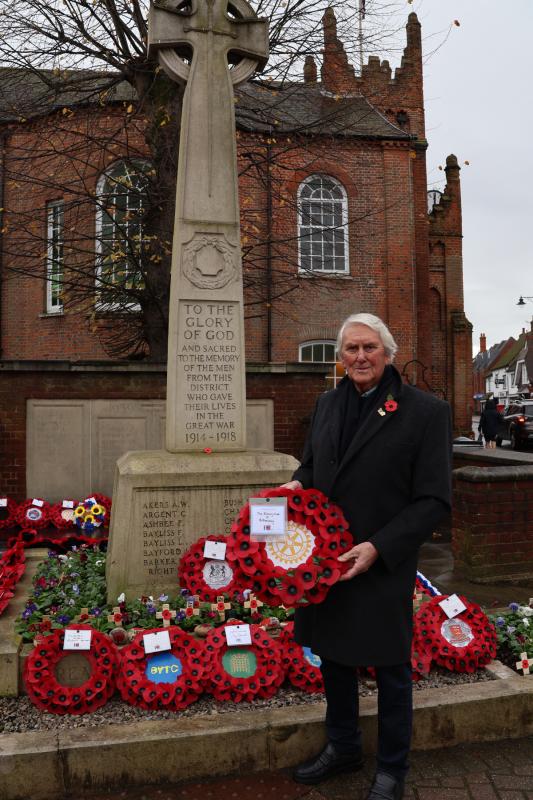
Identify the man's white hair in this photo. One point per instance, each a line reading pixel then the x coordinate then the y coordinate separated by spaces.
pixel 376 324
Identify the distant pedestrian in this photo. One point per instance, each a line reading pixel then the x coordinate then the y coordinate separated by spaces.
pixel 490 423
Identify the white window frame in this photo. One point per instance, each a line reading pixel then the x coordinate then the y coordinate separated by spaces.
pixel 314 342
pixel 143 164
pixel 55 226
pixel 334 227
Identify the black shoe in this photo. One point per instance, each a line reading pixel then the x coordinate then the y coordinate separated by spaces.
pixel 386 787
pixel 327 763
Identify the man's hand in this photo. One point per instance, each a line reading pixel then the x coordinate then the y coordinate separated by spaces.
pixel 363 556
pixel 291 485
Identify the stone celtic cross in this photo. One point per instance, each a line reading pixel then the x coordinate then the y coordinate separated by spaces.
pixel 206 399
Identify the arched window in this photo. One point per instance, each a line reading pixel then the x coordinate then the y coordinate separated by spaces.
pixel 322 352
pixel 323 225
pixel 121 203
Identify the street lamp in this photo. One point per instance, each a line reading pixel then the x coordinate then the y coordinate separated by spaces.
pixel 522 300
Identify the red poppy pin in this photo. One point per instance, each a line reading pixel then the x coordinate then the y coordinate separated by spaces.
pixel 390 405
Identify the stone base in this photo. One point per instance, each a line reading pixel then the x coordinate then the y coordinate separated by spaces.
pixel 163 502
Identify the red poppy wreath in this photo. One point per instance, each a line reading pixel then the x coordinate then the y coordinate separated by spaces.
pixel 33 513
pixel 300 569
pixel 12 566
pixel 206 577
pixel 8 512
pixel 44 687
pixel 243 672
pixel 301 665
pixel 171 679
pixel 62 515
pixel 461 644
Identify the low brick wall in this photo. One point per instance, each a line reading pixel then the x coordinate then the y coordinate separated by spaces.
pixel 492 529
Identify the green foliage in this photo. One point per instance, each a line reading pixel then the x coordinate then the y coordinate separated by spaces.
pixel 514 629
pixel 66 584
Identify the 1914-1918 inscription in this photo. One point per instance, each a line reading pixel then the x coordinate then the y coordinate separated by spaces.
pixel 209 360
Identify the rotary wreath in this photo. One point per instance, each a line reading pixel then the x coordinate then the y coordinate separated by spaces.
pixel 300 569
pixel 461 644
pixel 172 679
pixel 46 691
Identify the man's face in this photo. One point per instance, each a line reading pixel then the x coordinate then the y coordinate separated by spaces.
pixel 363 356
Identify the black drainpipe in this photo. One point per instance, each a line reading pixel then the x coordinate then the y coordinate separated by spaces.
pixel 269 253
pixel 3 140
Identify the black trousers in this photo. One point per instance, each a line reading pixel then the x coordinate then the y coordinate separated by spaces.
pixel 395 713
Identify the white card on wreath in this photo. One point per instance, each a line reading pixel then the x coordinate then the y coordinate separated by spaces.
pixel 156 642
pixel 238 635
pixel 68 503
pixel 77 639
pixel 3 502
pixel 215 550
pixel 268 517
pixel 37 502
pixel 452 606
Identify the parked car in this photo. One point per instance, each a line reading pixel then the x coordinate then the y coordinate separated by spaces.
pixel 517 425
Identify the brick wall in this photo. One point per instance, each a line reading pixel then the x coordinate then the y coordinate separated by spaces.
pixel 293 388
pixel 492 529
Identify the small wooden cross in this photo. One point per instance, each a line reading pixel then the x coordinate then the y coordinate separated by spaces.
pixel 166 615
pixel 220 606
pixel 84 615
pixel 524 664
pixel 116 617
pixel 193 608
pixel 253 603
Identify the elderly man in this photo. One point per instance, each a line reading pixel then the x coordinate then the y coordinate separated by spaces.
pixel 381 450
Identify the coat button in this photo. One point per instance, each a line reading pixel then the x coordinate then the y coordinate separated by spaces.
pixel 332 461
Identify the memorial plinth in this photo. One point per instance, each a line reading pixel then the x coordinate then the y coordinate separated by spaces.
pixel 163 502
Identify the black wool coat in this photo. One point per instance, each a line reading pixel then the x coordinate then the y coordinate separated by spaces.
pixel 394 485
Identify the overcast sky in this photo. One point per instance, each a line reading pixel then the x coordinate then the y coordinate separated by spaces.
pixel 479 105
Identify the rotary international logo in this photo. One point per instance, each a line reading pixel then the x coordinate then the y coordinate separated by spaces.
pixel 295 548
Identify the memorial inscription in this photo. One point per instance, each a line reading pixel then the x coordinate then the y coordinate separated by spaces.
pixel 163 536
pixel 209 361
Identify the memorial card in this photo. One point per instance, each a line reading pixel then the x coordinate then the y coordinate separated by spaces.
pixel 238 635
pixel 268 518
pixel 452 606
pixel 215 550
pixel 77 639
pixel 156 642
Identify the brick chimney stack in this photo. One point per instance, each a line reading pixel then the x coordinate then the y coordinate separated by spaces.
pixel 482 343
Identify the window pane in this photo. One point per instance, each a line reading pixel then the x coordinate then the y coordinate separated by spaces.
pixel 322 222
pixel 54 266
pixel 122 197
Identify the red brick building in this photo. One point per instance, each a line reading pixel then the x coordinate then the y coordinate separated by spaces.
pixel 335 220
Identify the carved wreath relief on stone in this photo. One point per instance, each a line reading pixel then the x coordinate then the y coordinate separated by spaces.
pixel 209 261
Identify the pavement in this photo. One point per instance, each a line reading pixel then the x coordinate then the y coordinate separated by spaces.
pixel 488 771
